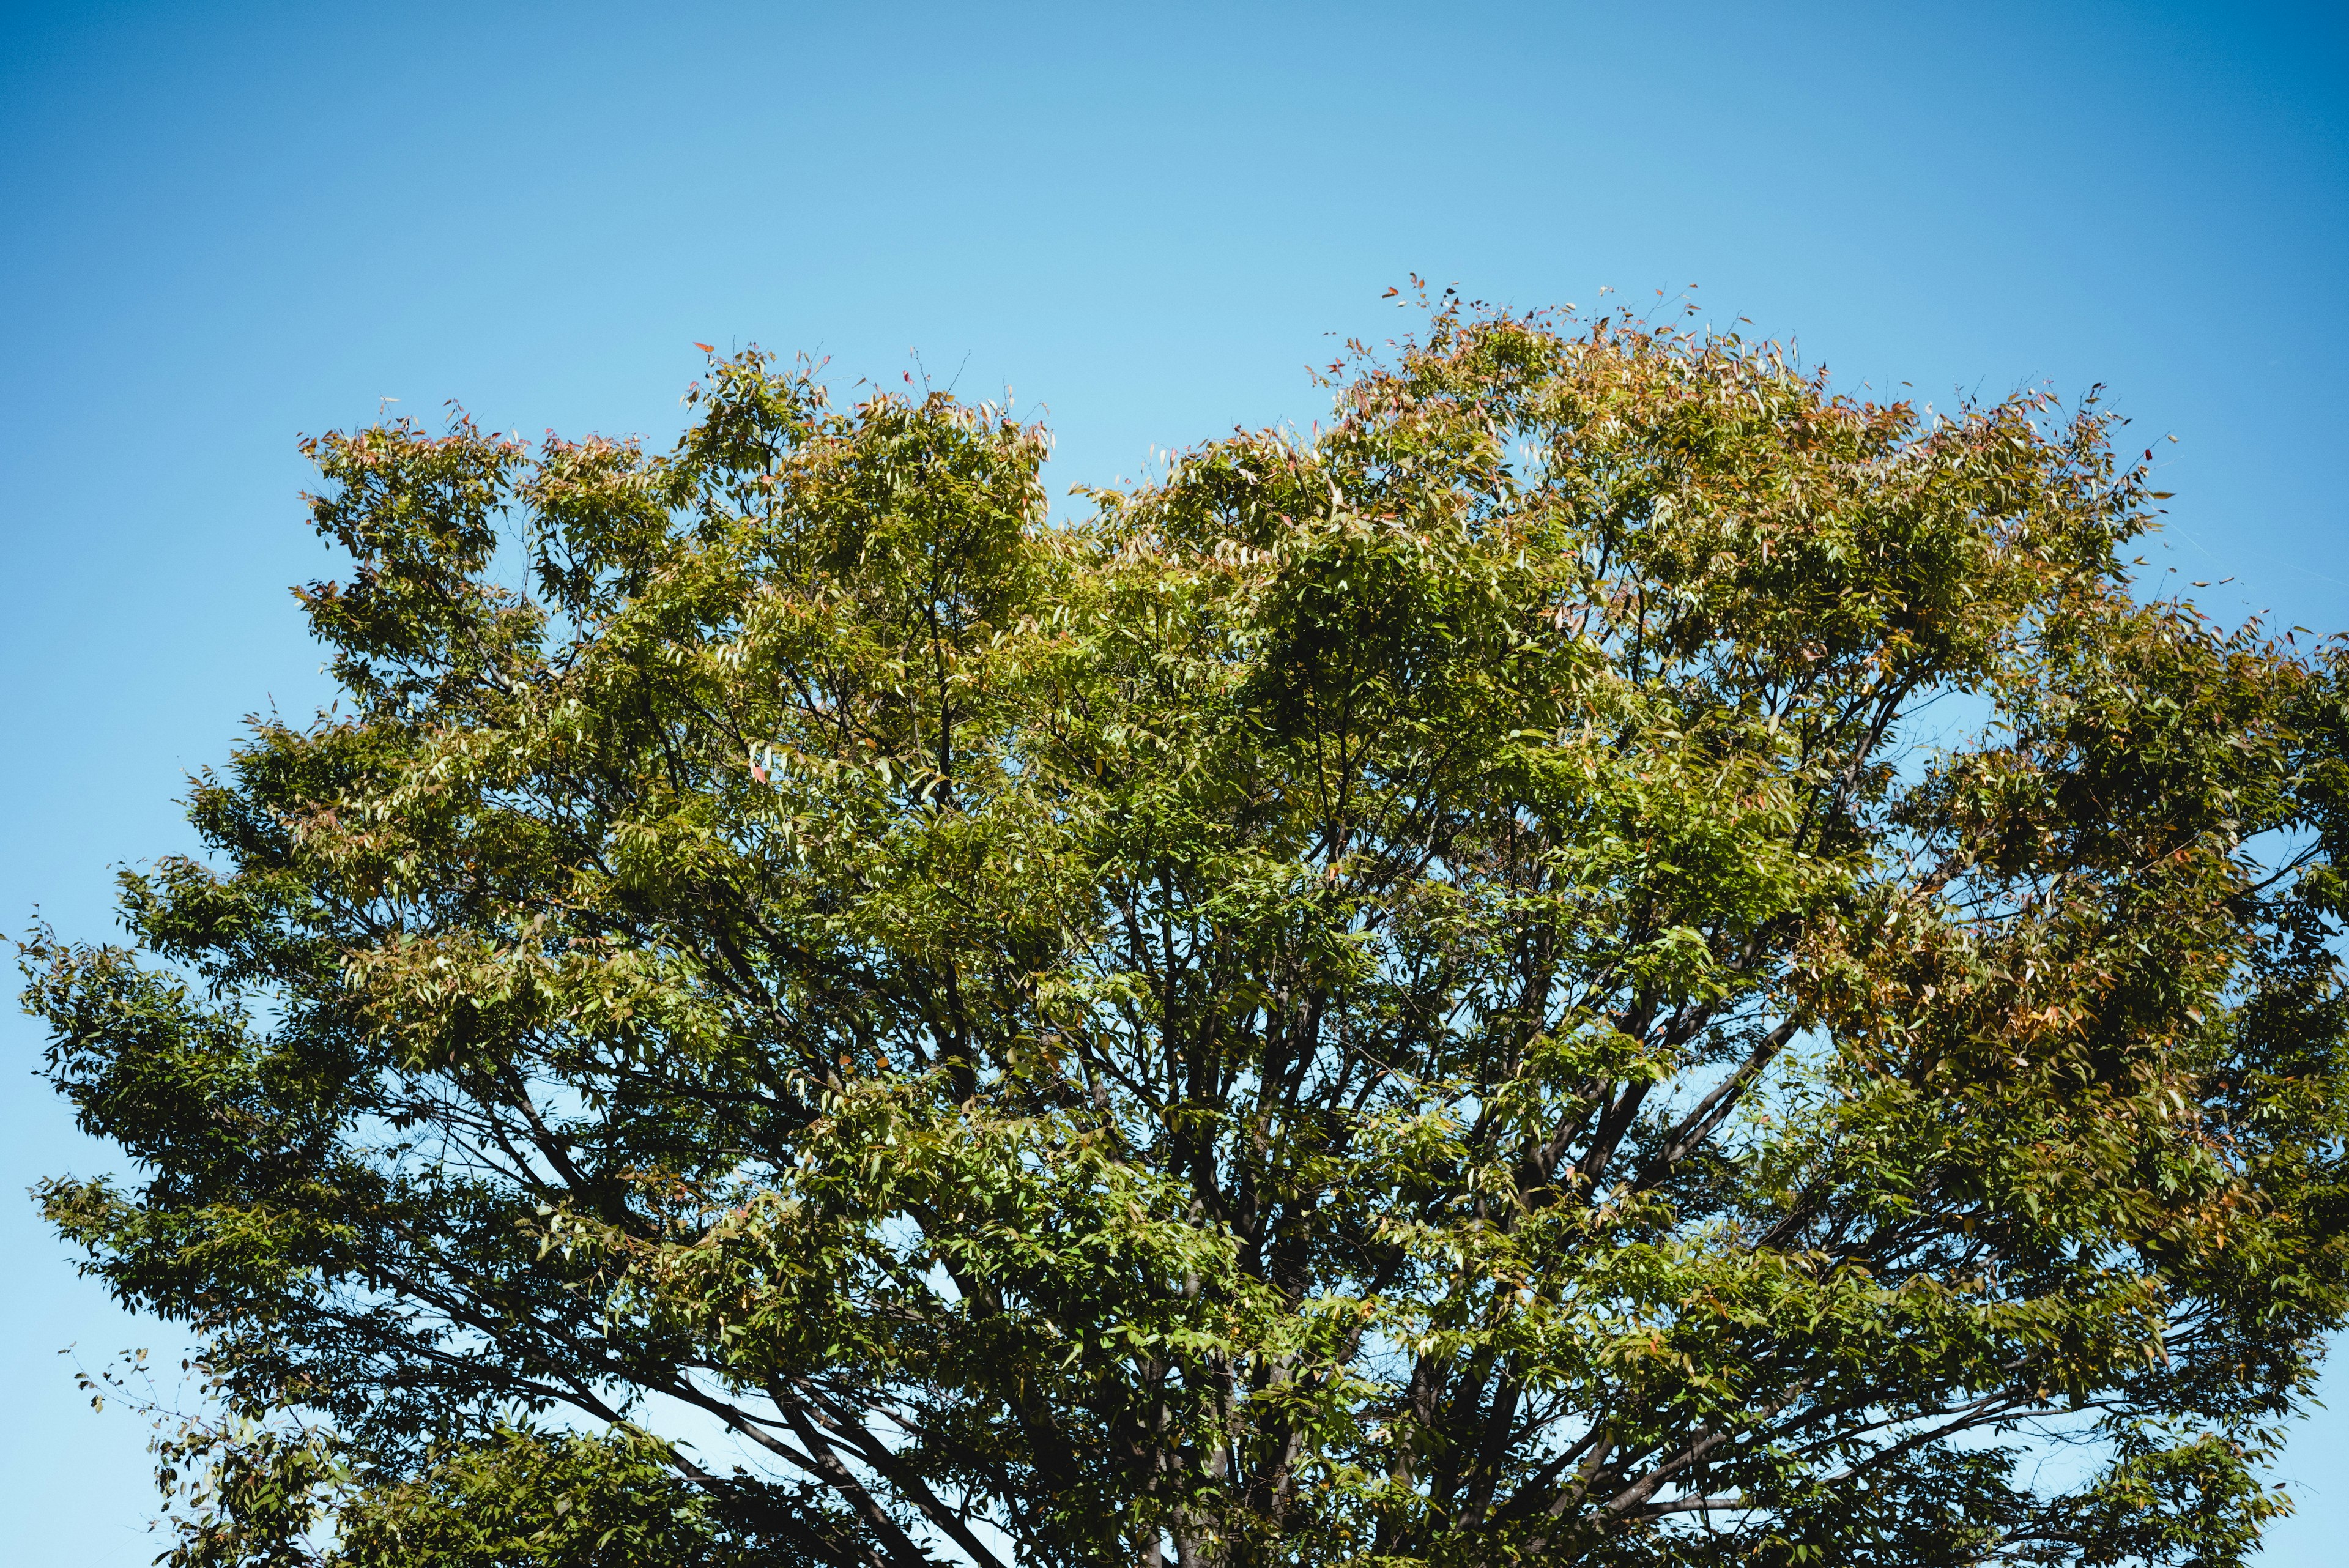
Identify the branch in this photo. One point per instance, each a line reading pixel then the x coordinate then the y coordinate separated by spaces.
pixel 1710 1112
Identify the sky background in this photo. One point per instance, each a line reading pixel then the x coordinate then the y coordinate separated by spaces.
pixel 223 225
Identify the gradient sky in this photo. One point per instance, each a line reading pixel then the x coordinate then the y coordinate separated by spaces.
pixel 222 226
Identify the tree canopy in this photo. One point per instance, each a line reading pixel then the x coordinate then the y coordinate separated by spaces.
pixel 1619 956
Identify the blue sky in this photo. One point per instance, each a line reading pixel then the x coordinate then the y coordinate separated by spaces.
pixel 222 226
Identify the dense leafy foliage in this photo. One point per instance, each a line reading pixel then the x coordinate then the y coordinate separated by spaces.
pixel 1618 959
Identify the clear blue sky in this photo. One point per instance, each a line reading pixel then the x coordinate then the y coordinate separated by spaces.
pixel 224 224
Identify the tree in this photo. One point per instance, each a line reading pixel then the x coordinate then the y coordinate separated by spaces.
pixel 1620 959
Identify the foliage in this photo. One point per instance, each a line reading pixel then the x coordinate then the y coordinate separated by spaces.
pixel 1620 957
